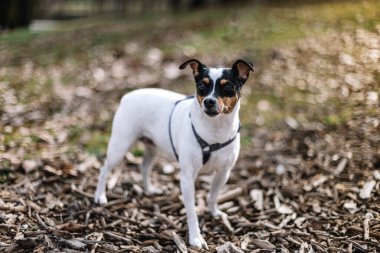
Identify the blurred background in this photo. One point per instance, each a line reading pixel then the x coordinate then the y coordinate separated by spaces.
pixel 316 61
pixel 310 111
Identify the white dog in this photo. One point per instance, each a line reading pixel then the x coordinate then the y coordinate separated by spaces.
pixel 200 132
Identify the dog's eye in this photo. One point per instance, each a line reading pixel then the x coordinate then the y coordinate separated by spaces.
pixel 229 88
pixel 228 91
pixel 202 89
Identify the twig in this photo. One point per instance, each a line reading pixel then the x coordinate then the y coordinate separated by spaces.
pixel 359 230
pixel 35 233
pixel 179 242
pixel 2 244
pixel 75 189
pixel 40 221
pixel 118 237
pixel 115 202
pixel 227 223
pixel 8 226
pixel 114 223
pixel 230 195
pixel 166 219
pixel 319 248
pixel 366 229
pixel 98 239
pixel 88 214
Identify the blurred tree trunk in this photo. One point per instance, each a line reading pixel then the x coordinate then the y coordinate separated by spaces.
pixel 197 4
pixel 16 13
pixel 175 5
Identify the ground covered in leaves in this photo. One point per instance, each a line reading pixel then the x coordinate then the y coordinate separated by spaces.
pixel 308 177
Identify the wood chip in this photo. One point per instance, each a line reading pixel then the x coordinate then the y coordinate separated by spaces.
pixel 257 197
pixel 263 244
pixel 230 195
pixel 166 219
pixel 2 244
pixel 49 243
pixel 117 237
pixel 365 192
pixel 341 166
pixel 227 223
pixel 72 243
pixel 366 229
pixel 41 222
pixel 228 247
pixel 99 237
pixel 181 245
pixel 304 247
pixel 33 205
pixel 281 208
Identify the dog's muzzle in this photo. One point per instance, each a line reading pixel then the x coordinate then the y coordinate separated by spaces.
pixel 211 107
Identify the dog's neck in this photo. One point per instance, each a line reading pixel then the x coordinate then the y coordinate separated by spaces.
pixel 217 129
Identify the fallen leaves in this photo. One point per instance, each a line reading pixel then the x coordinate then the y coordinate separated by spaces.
pixel 303 186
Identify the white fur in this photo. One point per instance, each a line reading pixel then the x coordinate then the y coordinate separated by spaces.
pixel 214 74
pixel 146 113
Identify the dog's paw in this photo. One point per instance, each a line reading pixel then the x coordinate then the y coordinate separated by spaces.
pixel 152 190
pixel 100 199
pixel 198 242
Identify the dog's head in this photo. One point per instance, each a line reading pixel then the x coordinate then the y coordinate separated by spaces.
pixel 218 89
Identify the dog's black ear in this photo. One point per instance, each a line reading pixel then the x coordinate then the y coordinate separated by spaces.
pixel 196 65
pixel 241 68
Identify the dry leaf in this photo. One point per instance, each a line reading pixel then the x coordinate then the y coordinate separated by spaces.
pixel 228 247
pixel 263 244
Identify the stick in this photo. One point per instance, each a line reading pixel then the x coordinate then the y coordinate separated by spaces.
pixel 232 194
pixel 41 222
pixel 366 229
pixel 118 237
pixel 179 242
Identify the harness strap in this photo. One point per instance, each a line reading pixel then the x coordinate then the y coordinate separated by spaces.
pixel 170 124
pixel 208 148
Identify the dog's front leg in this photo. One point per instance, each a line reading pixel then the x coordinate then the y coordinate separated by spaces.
pixel 220 178
pixel 188 194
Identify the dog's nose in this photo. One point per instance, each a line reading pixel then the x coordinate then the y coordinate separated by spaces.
pixel 210 102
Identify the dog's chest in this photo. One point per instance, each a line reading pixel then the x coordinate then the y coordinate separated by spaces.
pixel 223 158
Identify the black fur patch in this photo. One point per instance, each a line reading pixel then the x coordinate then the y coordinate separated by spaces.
pixel 226 88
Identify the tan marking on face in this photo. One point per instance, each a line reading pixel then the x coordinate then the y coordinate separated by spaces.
pixel 223 81
pixel 200 99
pixel 206 80
pixel 227 103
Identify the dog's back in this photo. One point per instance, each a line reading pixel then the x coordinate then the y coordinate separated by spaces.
pixel 142 112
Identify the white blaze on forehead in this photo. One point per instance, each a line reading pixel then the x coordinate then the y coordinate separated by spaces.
pixel 215 74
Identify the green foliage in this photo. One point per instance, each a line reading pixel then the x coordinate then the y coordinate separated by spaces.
pixel 97 144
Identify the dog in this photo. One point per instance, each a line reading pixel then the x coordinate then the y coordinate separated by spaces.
pixel 199 132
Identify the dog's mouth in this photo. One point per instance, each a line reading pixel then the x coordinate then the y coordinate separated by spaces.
pixel 211 113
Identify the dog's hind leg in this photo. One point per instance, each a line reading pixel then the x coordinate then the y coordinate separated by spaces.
pixel 122 138
pixel 150 153
pixel 117 148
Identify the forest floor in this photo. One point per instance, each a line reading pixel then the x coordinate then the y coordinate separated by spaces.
pixel 308 176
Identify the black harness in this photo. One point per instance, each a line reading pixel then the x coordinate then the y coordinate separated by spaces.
pixel 206 148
